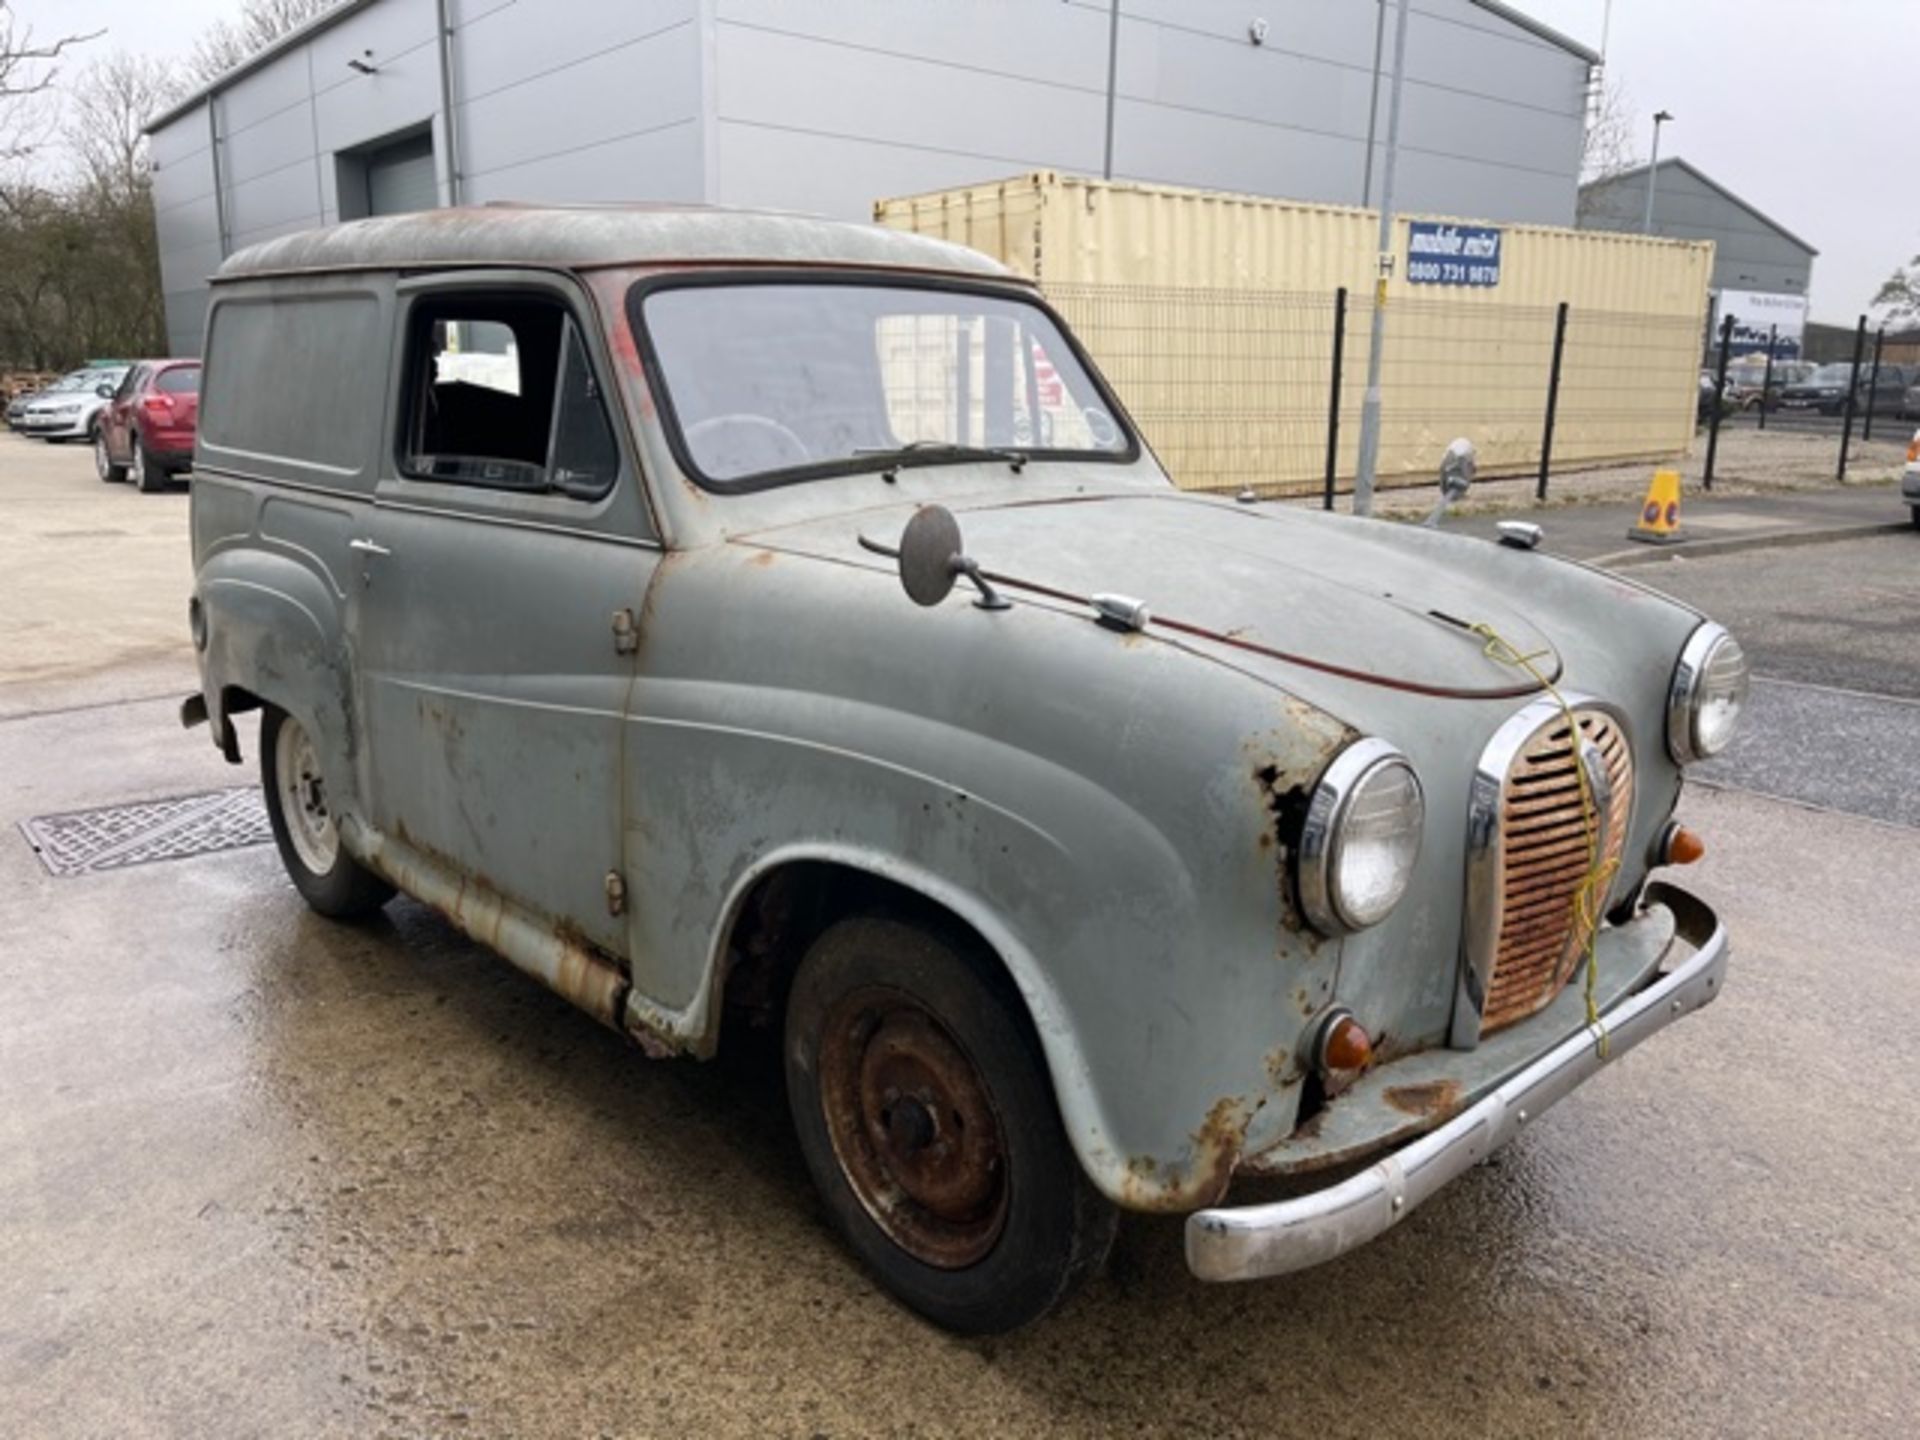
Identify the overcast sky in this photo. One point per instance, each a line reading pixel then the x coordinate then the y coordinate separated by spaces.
pixel 1804 108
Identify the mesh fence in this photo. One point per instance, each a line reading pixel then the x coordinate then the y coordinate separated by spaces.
pixel 1234 387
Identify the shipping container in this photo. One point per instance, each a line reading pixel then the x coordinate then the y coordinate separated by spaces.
pixel 1214 315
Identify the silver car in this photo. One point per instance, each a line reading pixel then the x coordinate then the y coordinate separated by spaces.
pixel 1146 841
pixel 71 411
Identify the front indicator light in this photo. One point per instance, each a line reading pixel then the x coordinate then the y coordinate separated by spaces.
pixel 1344 1045
pixel 1681 846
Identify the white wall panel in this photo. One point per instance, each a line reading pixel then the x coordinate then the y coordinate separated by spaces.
pixel 625 92
pixel 665 164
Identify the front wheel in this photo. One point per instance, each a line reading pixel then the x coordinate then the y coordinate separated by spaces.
pixel 304 830
pixel 1913 514
pixel 103 462
pixel 927 1119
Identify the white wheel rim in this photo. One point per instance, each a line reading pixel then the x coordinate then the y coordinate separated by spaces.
pixel 100 455
pixel 303 799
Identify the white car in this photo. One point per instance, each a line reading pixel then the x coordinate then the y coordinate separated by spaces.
pixel 1910 480
pixel 70 414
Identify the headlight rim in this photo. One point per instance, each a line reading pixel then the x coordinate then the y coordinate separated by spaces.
pixel 1320 835
pixel 1683 692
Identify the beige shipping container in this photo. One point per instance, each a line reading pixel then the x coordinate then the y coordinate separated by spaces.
pixel 1214 316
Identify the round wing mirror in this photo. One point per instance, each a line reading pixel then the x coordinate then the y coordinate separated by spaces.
pixel 1457 468
pixel 930 554
pixel 105 392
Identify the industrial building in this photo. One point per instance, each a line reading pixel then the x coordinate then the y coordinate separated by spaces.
pixel 1751 251
pixel 829 105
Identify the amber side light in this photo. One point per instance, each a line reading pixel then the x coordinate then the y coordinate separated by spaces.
pixel 1347 1046
pixel 1913 448
pixel 1684 846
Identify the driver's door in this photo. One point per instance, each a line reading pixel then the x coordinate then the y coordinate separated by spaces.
pixel 506 533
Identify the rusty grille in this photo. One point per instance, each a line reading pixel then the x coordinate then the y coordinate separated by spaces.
pixel 1543 859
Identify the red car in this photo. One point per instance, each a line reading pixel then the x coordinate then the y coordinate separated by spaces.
pixel 148 425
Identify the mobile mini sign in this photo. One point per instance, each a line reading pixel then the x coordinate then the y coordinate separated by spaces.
pixel 1439 253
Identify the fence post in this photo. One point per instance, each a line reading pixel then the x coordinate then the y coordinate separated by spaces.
pixel 1719 396
pixel 1873 385
pixel 1333 399
pixel 1766 381
pixel 1853 388
pixel 1553 398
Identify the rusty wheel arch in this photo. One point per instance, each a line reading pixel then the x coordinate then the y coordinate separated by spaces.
pixel 792 905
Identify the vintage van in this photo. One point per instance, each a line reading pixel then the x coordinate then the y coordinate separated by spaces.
pixel 1149 839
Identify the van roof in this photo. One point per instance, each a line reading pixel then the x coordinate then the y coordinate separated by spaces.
pixel 582 237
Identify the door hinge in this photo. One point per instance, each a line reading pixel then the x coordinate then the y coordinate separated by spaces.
pixel 626 634
pixel 616 893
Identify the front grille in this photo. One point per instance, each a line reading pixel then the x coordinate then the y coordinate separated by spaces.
pixel 1543 860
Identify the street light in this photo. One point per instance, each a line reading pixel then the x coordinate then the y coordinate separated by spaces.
pixel 1660 117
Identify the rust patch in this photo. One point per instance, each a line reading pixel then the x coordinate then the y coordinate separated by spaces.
pixel 1429 1100
pixel 762 558
pixel 1213 1155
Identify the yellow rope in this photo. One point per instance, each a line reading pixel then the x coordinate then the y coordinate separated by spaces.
pixel 1590 897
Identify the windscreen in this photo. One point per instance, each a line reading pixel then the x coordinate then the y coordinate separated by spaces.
pixel 769 382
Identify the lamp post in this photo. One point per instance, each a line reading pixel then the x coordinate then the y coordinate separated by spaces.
pixel 1660 117
pixel 1369 454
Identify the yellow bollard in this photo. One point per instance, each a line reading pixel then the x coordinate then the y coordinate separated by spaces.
pixel 1659 522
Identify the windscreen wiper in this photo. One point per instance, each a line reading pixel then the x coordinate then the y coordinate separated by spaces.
pixel 940 452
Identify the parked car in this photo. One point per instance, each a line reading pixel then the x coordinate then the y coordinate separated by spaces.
pixel 148 424
pixel 1746 380
pixel 1148 840
pixel 1711 396
pixel 73 381
pixel 1826 389
pixel 1910 402
pixel 71 414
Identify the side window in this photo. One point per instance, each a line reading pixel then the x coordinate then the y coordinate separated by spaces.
pixel 501 395
pixel 131 384
pixel 180 380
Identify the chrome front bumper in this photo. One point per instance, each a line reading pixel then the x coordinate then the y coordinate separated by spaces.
pixel 1253 1241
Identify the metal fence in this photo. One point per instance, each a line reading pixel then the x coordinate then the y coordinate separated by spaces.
pixel 1261 389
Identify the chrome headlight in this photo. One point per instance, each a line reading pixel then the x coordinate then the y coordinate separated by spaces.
pixel 1708 693
pixel 1361 838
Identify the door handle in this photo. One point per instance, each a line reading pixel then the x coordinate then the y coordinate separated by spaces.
pixel 368 547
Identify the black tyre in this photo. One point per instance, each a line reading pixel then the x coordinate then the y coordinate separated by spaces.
pixel 927 1119
pixel 329 879
pixel 1913 514
pixel 103 463
pixel 149 473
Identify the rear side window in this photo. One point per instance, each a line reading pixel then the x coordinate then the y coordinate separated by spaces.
pixel 501 394
pixel 293 383
pixel 180 380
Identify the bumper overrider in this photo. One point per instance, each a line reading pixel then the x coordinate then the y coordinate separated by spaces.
pixel 1250 1242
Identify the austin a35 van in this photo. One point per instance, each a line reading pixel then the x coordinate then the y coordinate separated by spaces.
pixel 1147 840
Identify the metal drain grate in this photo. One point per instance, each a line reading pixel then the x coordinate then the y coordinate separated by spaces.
pixel 116 836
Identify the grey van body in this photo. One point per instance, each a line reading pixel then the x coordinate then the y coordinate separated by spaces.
pixel 620 737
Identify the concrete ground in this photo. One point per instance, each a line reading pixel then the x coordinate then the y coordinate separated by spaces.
pixel 264 1175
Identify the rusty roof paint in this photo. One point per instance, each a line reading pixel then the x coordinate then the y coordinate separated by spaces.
pixel 582 237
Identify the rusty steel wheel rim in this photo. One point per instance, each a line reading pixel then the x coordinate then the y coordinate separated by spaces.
pixel 914 1128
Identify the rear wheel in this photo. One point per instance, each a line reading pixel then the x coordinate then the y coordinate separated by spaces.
pixel 927 1119
pixel 304 830
pixel 152 474
pixel 1914 515
pixel 103 463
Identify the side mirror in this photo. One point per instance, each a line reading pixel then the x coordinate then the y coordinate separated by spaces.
pixel 105 392
pixel 1457 468
pixel 932 559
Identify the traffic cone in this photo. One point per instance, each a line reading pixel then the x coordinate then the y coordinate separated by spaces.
pixel 1659 522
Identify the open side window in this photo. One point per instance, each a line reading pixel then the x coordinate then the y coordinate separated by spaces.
pixel 501 394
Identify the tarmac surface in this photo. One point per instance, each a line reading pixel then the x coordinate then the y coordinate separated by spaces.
pixel 265 1175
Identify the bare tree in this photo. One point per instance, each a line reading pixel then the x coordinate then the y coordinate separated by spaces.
pixel 228 43
pixel 27 68
pixel 1899 297
pixel 1607 148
